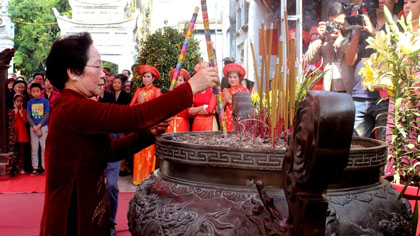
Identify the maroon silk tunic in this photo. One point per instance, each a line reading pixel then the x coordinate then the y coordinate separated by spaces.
pixel 78 148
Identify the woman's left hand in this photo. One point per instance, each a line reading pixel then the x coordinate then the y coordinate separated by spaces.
pixel 160 128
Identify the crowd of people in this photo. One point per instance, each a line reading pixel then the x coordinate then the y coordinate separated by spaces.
pixel 339 49
pixel 36 105
pixel 32 101
pixel 79 103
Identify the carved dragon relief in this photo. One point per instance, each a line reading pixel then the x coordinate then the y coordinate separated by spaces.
pixel 157 215
pixel 392 224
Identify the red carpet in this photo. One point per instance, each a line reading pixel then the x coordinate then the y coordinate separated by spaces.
pixel 22 184
pixel 20 214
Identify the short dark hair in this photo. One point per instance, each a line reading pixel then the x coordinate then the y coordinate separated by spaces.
pixel 67 52
pixel 336 8
pixel 129 72
pixel 38 73
pixel 35 85
pixel 122 77
pixel 19 82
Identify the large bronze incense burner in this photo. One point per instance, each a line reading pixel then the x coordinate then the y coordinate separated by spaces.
pixel 319 186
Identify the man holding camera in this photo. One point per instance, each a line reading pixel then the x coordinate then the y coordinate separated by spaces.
pixel 331 47
pixel 366 102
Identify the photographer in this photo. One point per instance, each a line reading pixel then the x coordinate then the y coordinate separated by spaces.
pixel 330 47
pixel 365 101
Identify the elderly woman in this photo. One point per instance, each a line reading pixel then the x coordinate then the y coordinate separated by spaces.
pixel 79 145
pixel 180 122
pixel 235 73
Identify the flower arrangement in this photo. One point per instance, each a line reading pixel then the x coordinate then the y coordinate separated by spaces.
pixel 394 66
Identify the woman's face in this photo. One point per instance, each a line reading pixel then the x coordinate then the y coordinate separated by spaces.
pixel 19 88
pixel 10 84
pixel 90 84
pixel 117 84
pixel 28 88
pixel 180 80
pixel 147 78
pixel 48 84
pixel 414 7
pixel 233 79
pixel 127 87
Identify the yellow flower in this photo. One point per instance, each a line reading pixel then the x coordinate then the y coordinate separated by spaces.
pixel 380 41
pixel 255 98
pixel 366 73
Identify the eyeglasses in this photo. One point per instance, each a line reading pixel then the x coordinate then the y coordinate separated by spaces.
pixel 99 68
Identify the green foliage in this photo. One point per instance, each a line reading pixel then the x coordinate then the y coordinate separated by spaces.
pixel 113 68
pixel 161 50
pixel 35 31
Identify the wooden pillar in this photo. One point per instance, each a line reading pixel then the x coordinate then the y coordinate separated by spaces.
pixel 5 58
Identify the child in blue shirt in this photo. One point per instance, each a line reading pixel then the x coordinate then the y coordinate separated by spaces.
pixel 37 113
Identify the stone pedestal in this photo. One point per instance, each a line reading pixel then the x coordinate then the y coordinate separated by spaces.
pixel 4 161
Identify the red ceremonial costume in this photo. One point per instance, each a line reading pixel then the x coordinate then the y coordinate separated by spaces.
pixel 79 146
pixel 145 160
pixel 233 67
pixel 228 108
pixel 21 134
pixel 180 122
pixel 205 122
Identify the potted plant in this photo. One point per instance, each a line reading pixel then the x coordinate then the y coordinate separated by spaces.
pixel 395 66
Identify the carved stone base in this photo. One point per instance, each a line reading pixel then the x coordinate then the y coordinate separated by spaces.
pixel 162 206
pixel 368 210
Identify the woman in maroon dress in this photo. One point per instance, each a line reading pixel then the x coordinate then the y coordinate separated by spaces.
pixel 79 145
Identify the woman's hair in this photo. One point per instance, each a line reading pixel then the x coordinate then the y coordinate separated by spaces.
pixel 122 77
pixel 239 75
pixel 19 82
pixel 67 52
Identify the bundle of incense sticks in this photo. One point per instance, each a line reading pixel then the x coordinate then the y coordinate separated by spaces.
pixel 213 63
pixel 280 105
pixel 181 56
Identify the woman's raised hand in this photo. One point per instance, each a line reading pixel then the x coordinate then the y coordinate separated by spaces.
pixel 204 79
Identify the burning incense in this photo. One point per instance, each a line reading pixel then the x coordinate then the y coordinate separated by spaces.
pixel 281 82
pixel 213 63
pixel 263 57
pixel 292 76
pixel 257 80
pixel 267 70
pixel 181 56
pixel 287 92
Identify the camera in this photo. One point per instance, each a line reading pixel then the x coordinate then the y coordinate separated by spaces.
pixel 354 18
pixel 331 26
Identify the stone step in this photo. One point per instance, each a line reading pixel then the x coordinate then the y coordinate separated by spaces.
pixel 4 162
pixel 3 168
pixel 4 157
